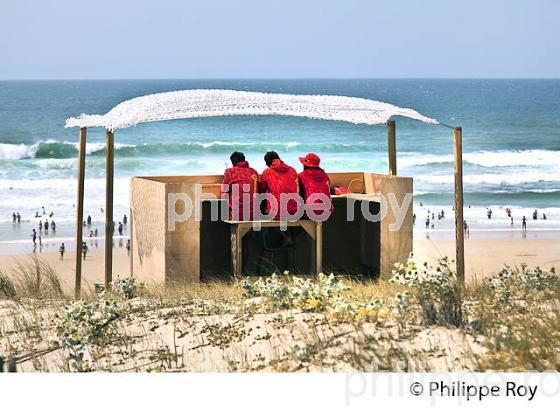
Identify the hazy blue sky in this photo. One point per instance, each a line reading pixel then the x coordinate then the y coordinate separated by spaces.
pixel 279 38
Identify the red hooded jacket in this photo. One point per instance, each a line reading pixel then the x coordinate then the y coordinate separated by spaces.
pixel 315 181
pixel 237 178
pixel 278 179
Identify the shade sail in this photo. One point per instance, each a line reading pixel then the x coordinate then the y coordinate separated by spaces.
pixel 214 103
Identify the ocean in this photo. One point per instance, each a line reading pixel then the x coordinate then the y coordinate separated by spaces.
pixel 511 144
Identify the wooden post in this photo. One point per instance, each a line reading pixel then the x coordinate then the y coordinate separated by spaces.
pixel 109 174
pixel 459 230
pixel 319 248
pixel 392 147
pixel 80 211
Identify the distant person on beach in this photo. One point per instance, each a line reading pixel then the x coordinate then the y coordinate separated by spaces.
pixel 535 215
pixel 89 220
pixel 18 218
pixel 34 237
pixel 90 234
pixel 46 226
pixel 121 227
pixel 125 220
pixel 62 249
pixel 239 185
pixel 427 222
pixel 277 179
pixel 544 216
pixel 44 212
pixel 511 217
pixel 524 223
pixel 413 219
pixel 95 232
pixel 489 213
pixel 14 217
pixel 508 212
pixel 40 242
pixel 37 214
pixel 84 249
pixel 53 226
pixel 315 187
pixel 128 247
pixel 41 226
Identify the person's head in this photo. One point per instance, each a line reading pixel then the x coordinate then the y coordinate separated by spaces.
pixel 311 160
pixel 236 157
pixel 270 156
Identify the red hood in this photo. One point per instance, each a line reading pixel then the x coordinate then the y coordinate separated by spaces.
pixel 242 164
pixel 279 166
pixel 316 174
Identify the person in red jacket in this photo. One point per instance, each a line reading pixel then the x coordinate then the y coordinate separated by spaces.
pixel 315 188
pixel 240 186
pixel 276 180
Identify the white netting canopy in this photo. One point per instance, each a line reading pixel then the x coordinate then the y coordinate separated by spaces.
pixel 214 103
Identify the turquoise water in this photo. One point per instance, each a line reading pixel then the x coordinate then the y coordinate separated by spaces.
pixel 511 141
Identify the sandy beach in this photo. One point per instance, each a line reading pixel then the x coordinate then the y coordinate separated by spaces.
pixel 483 257
pixel 92 267
pixel 486 256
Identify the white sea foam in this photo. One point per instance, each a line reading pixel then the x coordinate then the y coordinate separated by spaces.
pixel 517 178
pixel 23 151
pixel 17 151
pixel 489 158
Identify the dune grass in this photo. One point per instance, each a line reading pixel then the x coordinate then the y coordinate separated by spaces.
pixel 419 320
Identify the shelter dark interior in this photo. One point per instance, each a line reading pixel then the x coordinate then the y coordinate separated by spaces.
pixel 349 247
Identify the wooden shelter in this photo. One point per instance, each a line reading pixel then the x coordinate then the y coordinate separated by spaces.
pixel 207 103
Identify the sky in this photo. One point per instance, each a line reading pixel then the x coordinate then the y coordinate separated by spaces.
pixel 96 39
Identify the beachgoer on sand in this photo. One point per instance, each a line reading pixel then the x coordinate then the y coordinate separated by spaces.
pixel 240 184
pixel 128 247
pixel 84 249
pixel 524 223
pixel 61 250
pixel 315 187
pixel 14 217
pixel 125 220
pixel 89 220
pixel 34 237
pixel 121 227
